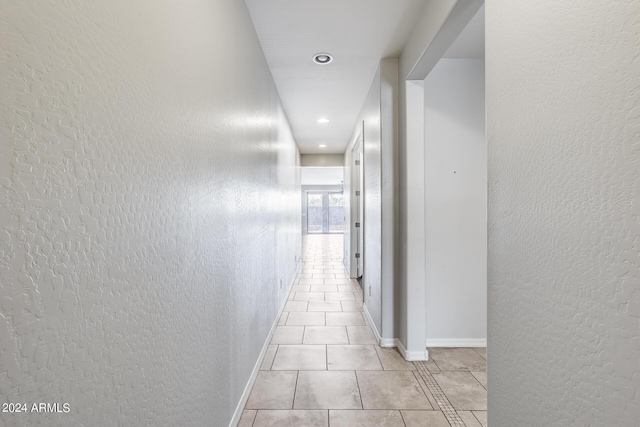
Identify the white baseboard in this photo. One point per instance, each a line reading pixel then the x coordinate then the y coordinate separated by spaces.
pixel 383 342
pixel 256 369
pixel 394 342
pixel 412 356
pixel 388 342
pixel 457 342
pixel 372 325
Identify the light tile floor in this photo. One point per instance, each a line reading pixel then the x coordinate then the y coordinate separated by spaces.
pixel 324 368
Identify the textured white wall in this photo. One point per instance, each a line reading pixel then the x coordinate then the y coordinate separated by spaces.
pixel 149 206
pixel 372 279
pixel 322 175
pixel 456 203
pixel 410 276
pixel 322 160
pixel 378 115
pixel 563 115
pixel 389 193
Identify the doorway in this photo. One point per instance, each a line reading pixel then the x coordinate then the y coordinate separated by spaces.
pixel 325 213
pixel 358 207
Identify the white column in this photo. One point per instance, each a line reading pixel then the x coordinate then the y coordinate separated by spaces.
pixel 414 347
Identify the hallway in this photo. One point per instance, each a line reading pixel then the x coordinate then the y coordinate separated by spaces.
pixel 323 366
pixel 151 185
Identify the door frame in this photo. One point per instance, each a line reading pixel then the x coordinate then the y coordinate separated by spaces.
pixel 306 189
pixel 323 193
pixel 357 206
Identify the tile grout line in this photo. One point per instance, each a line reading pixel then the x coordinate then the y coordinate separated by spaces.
pixel 355 374
pixel 375 348
pixel 295 391
pixel 274 355
pixel 434 362
pixel 441 399
pixel 474 377
pixel 402 417
pixel 474 414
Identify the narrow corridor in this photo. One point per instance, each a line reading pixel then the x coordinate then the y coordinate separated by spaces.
pixel 324 367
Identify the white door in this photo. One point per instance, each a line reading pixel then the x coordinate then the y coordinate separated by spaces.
pixel 358 194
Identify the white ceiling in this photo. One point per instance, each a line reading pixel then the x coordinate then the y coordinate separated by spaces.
pixel 358 33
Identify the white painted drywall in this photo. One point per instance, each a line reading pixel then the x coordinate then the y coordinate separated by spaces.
pixel 456 204
pixel 372 186
pixel 470 42
pixel 322 175
pixel 432 18
pixel 425 46
pixel 412 331
pixel 563 114
pixel 149 207
pixel 322 160
pixel 389 195
pixel 378 124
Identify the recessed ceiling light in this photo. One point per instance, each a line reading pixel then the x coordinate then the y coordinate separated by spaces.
pixel 322 58
pixel 323 120
pixel 322 145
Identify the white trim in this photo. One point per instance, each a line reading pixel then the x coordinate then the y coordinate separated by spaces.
pixel 256 369
pixel 382 342
pixel 372 325
pixel 354 208
pixel 412 356
pixel 457 342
